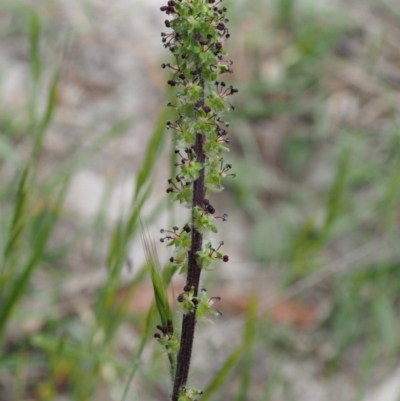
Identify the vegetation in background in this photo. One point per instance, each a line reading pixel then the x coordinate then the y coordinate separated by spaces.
pixel 315 147
pixel 323 192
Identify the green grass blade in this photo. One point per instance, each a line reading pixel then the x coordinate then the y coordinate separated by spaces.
pixel 19 218
pixel 48 115
pixel 285 13
pixel 79 155
pixel 18 287
pixel 172 173
pixel 70 350
pixel 117 257
pixel 248 342
pixel 35 28
pixel 122 236
pixel 222 375
pixel 148 327
pixel 34 40
pixel 153 150
pixel 51 101
pixel 159 285
pixel 336 193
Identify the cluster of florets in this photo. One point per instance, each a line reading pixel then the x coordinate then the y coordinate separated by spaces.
pixel 166 331
pixel 168 337
pixel 169 9
pixel 179 238
pixel 210 13
pixel 198 29
pixel 178 185
pixel 201 303
pixel 208 210
pixel 187 393
pixel 210 253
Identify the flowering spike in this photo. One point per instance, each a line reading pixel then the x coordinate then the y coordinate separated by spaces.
pixel 196 38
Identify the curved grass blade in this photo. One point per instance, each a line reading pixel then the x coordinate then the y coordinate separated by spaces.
pixel 159 287
pixel 18 287
pixel 248 342
pixel 153 150
pixel 222 375
pixel 148 326
pixel 48 115
pixel 19 220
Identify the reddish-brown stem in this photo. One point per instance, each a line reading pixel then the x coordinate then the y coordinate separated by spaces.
pixel 193 275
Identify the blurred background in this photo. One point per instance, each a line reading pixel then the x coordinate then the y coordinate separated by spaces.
pixel 311 294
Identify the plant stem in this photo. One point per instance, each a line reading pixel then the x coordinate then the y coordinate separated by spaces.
pixel 193 275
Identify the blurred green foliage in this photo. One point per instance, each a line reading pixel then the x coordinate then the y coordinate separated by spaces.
pixel 331 189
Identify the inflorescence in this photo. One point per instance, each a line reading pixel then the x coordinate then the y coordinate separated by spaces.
pixel 196 36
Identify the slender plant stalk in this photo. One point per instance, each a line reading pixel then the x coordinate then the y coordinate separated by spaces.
pixel 196 42
pixel 193 279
